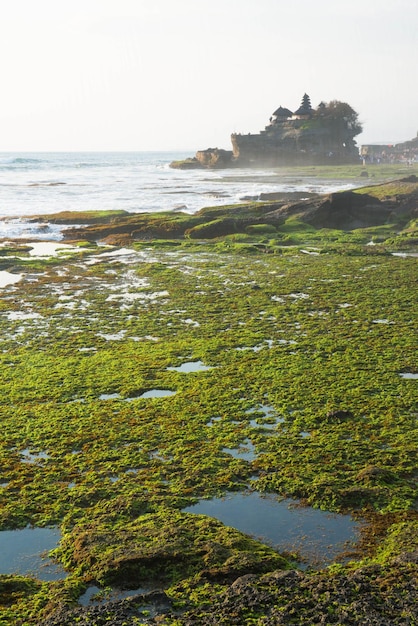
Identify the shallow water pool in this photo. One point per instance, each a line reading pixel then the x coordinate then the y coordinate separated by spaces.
pixel 7 278
pixel 189 367
pixel 25 552
pixel 97 596
pixel 157 393
pixel 317 535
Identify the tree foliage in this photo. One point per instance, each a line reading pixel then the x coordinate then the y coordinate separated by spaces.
pixel 341 114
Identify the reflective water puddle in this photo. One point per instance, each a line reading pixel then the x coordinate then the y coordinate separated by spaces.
pixel 49 248
pixel 7 278
pixel 25 552
pixel 317 535
pixel 35 457
pixel 190 366
pixel 245 451
pixel 151 393
pixel 268 419
pixel 157 393
pixel 96 596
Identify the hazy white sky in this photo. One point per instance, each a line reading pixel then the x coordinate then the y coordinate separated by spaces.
pixel 184 74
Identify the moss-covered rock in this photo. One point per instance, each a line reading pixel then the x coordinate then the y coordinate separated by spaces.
pixel 167 546
pixel 16 588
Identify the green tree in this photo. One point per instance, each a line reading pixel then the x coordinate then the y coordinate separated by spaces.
pixel 341 115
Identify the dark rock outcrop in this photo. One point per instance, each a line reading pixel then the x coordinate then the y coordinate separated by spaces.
pixel 376 595
pixel 211 158
pixel 345 210
pixel 214 158
pixel 348 210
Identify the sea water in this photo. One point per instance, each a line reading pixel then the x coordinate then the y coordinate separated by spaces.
pixel 42 183
pixel 318 536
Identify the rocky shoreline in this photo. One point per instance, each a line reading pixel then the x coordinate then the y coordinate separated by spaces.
pixel 280 300
pixel 372 595
pixel 348 210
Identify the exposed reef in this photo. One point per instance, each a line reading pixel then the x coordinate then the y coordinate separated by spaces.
pixel 376 595
pixel 389 203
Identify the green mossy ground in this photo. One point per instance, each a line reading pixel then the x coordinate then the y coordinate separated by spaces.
pixel 320 328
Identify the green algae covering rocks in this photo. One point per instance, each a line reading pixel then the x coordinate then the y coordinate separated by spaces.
pixel 276 327
pixel 165 546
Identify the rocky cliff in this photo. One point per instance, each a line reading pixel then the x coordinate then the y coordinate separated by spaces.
pixel 295 142
pixel 308 136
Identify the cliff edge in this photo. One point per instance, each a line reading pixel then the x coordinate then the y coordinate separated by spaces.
pixel 308 136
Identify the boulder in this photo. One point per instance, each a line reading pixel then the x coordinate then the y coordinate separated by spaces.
pixel 214 157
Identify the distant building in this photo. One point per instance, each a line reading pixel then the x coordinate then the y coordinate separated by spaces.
pixel 305 110
pixel 280 115
pixel 306 136
pixel 405 152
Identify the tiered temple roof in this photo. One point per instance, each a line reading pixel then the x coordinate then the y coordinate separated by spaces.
pixel 305 107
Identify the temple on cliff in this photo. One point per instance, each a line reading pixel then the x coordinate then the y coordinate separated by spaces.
pixel 305 136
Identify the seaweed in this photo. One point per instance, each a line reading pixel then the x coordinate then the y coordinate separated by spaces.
pixel 321 336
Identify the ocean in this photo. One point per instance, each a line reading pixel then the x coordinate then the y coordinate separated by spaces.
pixel 49 182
